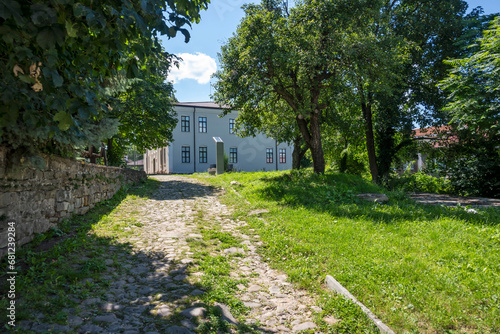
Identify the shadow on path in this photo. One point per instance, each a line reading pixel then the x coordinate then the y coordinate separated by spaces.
pixel 336 194
pixel 81 278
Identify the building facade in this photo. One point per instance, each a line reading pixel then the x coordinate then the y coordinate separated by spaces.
pixel 193 148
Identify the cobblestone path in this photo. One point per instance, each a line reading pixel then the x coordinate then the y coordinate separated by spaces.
pixel 154 290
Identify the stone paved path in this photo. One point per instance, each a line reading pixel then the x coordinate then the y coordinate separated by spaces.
pixel 449 200
pixel 156 280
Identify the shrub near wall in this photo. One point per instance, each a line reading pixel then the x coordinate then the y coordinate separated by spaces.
pixel 420 182
pixel 38 199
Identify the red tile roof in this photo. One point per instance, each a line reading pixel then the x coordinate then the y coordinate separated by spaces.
pixel 433 134
pixel 431 131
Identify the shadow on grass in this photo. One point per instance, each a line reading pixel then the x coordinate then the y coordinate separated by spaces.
pixel 337 194
pixel 71 279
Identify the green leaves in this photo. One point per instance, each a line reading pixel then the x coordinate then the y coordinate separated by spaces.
pixel 145 112
pixel 57 102
pixel 72 54
pixel 71 29
pixel 11 9
pixel 43 15
pixel 473 85
pixel 80 10
pixel 49 36
pixel 26 78
pixel 64 119
pixel 57 80
pixel 9 114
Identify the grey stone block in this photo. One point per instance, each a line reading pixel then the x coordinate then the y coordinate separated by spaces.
pixel 178 330
pixel 62 206
pixel 334 285
pixel 194 312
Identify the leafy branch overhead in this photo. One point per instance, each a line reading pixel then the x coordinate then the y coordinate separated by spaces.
pixel 60 57
pixel 473 85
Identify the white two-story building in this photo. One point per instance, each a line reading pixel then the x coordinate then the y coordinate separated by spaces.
pixel 193 148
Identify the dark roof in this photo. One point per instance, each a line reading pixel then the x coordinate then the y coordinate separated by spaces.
pixel 209 104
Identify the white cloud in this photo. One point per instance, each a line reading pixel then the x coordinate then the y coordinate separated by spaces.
pixel 197 66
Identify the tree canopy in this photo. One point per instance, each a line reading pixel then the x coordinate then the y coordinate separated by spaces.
pixel 473 85
pixel 384 57
pixel 293 59
pixel 60 59
pixel 145 114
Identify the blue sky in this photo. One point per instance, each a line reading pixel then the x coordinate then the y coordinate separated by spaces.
pixel 192 81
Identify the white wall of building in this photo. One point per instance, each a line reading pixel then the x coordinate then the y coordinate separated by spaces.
pixel 252 153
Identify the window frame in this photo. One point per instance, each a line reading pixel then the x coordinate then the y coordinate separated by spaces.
pixel 269 155
pixel 202 124
pixel 232 123
pixel 203 155
pixel 186 154
pixel 185 124
pixel 282 155
pixel 233 155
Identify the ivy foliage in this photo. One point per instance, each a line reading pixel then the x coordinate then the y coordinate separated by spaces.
pixel 60 57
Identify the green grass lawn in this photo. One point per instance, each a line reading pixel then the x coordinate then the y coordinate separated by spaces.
pixel 421 269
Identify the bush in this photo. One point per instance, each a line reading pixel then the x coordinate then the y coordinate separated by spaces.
pixel 477 175
pixel 472 163
pixel 420 182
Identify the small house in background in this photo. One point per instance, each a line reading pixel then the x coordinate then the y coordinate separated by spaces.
pixel 193 148
pixel 436 137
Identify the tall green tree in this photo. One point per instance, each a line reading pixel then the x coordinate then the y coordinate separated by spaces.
pixel 385 56
pixel 345 145
pixel 58 57
pixel 434 28
pixel 145 114
pixel 292 58
pixel 473 85
pixel 375 59
pixel 396 80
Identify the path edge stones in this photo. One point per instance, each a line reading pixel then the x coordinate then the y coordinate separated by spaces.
pixel 335 286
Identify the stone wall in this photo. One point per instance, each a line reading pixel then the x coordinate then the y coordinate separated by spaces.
pixel 38 199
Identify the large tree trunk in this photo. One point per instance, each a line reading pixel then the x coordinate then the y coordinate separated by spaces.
pixel 370 140
pixel 312 137
pixel 298 152
pixel 386 151
pixel 316 145
pixel 297 141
